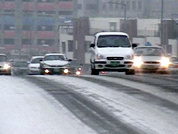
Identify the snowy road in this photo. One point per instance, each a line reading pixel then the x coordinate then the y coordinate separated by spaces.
pixel 106 104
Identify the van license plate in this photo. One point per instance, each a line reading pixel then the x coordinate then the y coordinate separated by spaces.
pixel 115 63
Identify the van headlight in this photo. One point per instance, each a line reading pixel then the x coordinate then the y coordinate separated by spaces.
pixel 165 62
pixel 6 66
pixel 100 57
pixel 138 61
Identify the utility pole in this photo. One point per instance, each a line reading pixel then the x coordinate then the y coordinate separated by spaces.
pixel 162 16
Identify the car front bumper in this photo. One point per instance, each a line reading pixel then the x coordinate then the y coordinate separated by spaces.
pixel 115 65
pixel 55 70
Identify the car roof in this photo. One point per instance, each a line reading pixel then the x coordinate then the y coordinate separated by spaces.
pixel 111 33
pixel 149 47
pixel 54 54
pixel 34 57
pixel 3 54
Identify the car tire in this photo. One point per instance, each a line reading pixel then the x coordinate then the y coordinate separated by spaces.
pixel 41 72
pixel 130 72
pixel 93 70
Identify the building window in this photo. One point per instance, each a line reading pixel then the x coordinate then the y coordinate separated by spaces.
pixel 9 41
pixel 79 6
pixel 27 0
pixel 128 5
pixel 133 5
pixel 26 41
pixel 42 13
pixel 70 46
pixel 65 0
pixel 9 27
pixel 91 7
pixel 116 7
pixel 169 49
pixel 111 6
pixel 27 27
pixel 45 28
pixel 64 47
pixel 139 5
pixel 65 12
pixel 103 6
pixel 46 1
pixel 46 42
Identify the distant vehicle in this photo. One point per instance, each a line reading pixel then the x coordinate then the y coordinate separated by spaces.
pixel 151 59
pixel 5 65
pixel 54 63
pixel 75 68
pixel 34 65
pixel 19 68
pixel 174 62
pixel 111 51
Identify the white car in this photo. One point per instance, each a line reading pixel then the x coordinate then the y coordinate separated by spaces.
pixel 111 51
pixel 151 59
pixel 54 63
pixel 34 65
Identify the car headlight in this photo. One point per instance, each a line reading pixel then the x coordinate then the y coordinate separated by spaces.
pixel 66 71
pixel 137 61
pixel 100 57
pixel 129 57
pixel 6 66
pixel 165 62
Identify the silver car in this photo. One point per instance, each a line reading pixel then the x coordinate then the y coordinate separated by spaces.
pixel 151 58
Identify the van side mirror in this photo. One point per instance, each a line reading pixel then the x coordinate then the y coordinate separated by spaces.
pixel 69 60
pixel 92 45
pixel 134 45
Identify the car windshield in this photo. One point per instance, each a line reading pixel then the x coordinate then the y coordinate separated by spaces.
pixel 113 41
pixel 54 57
pixel 21 64
pixel 149 51
pixel 173 59
pixel 36 60
pixel 3 58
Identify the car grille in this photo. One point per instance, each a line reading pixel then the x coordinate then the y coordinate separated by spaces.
pixel 115 58
pixel 56 66
pixel 115 66
pixel 152 62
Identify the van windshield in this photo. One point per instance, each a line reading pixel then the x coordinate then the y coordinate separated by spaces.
pixel 113 41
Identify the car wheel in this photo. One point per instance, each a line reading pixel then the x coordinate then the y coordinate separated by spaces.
pixel 94 71
pixel 41 72
pixel 130 72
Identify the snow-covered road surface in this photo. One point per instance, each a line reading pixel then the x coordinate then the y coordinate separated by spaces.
pixel 149 117
pixel 27 109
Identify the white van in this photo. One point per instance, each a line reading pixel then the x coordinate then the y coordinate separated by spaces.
pixel 112 51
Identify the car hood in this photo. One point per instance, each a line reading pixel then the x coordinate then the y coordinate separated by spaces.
pixel 151 58
pixel 56 63
pixel 121 51
pixel 34 65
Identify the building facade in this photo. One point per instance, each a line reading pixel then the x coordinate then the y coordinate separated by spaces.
pixel 30 27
